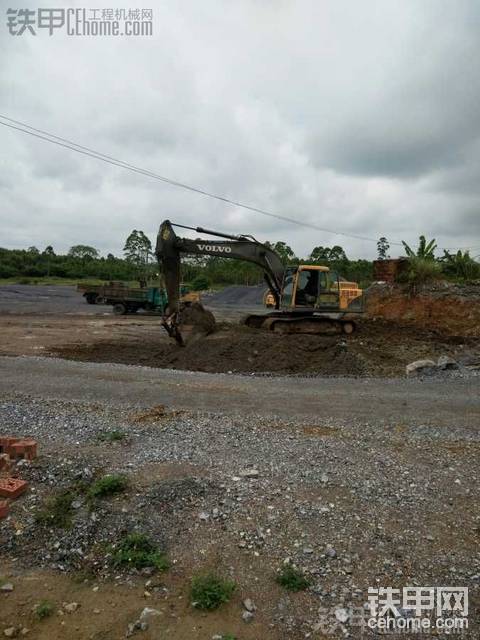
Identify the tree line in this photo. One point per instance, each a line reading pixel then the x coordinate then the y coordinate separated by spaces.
pixel 138 263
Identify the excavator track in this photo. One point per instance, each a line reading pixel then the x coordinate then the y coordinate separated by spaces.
pixel 313 325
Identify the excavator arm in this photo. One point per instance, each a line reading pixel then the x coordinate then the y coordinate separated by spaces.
pixel 170 248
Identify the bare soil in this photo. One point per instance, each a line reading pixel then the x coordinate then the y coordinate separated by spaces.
pixel 448 308
pixel 381 347
pixel 378 348
pixel 106 612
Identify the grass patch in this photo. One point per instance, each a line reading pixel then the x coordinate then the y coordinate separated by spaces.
pixel 420 271
pixel 57 510
pixel 44 609
pixel 292 579
pixel 138 551
pixel 107 486
pixel 209 591
pixel 112 436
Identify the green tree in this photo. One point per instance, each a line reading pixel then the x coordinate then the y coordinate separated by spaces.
pixel 83 252
pixel 337 254
pixel 285 252
pixel 327 254
pixel 138 248
pixel 382 248
pixel 48 256
pixel 319 254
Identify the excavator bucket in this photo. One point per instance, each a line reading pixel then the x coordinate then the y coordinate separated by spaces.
pixel 195 322
pixel 191 323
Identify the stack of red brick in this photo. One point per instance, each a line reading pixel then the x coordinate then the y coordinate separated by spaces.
pixel 13 449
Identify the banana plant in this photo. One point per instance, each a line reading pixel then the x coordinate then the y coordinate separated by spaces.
pixel 461 265
pixel 426 250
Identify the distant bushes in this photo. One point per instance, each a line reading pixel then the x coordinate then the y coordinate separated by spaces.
pixel 420 271
pixel 201 273
pixel 200 283
pixel 18 263
pixel 424 266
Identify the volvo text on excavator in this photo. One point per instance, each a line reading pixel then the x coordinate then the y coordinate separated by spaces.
pixel 307 298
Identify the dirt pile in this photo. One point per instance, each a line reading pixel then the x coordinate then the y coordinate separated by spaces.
pixel 230 349
pixel 195 319
pixel 378 348
pixel 453 310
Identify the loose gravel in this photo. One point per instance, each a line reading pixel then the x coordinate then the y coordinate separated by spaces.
pixel 352 503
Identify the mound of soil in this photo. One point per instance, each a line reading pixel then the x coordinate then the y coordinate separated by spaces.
pixel 451 309
pixel 197 318
pixel 376 349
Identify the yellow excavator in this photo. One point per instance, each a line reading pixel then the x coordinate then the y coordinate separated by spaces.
pixel 306 298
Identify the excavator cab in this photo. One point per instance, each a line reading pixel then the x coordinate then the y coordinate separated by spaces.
pixel 316 287
pixel 312 286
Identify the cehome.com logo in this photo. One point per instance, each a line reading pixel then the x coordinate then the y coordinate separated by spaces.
pixel 81 22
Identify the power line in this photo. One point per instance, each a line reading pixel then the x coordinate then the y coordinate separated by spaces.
pixel 73 146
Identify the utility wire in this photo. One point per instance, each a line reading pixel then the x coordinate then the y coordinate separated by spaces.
pixel 73 146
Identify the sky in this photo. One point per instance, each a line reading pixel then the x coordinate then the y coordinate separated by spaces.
pixel 360 118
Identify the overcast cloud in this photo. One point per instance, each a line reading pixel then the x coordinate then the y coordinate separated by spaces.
pixel 362 117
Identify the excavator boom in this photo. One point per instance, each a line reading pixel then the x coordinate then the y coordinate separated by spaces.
pixel 311 302
pixel 170 248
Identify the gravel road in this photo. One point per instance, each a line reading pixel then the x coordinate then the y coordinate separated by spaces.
pixel 451 402
pixel 25 298
pixel 358 483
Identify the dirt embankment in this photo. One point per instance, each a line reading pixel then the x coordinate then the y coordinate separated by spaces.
pixel 452 310
pixel 378 348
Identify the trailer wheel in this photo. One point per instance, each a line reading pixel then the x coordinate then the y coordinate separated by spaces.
pixel 119 309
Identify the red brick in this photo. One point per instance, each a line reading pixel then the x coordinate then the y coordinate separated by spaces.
pixel 6 442
pixel 12 487
pixel 4 508
pixel 26 448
